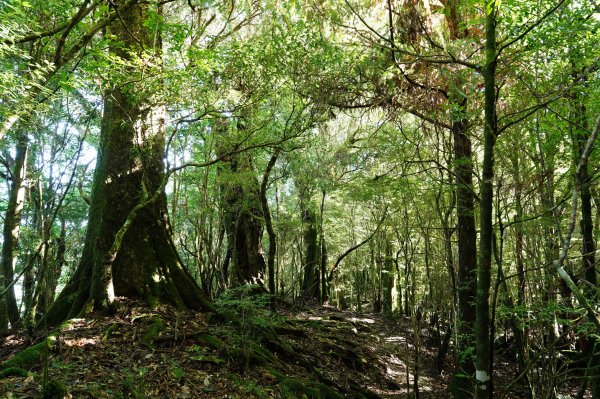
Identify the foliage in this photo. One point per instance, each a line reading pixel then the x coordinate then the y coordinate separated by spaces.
pixel 359 101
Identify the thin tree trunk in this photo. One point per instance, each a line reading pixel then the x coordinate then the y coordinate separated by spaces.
pixel 483 384
pixel 588 249
pixel 387 279
pixel 467 249
pixel 10 234
pixel 323 245
pixel 269 223
pixel 521 333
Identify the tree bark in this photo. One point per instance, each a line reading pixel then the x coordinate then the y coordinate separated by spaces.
pixel 242 215
pixel 10 234
pixel 483 384
pixel 269 223
pixel 128 250
pixel 467 246
pixel 587 224
pixel 311 286
pixel 387 279
pixel 588 248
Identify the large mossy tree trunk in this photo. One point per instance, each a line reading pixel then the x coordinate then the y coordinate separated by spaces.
pixel 311 286
pixel 242 210
pixel 129 169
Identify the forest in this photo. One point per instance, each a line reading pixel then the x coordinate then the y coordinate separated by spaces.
pixel 299 199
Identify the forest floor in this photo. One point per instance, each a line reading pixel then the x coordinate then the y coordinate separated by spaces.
pixel 310 352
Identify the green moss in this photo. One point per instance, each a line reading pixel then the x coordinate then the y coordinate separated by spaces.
pixel 57 312
pixel 13 372
pixel 252 354
pixel 29 357
pixel 211 341
pixel 328 392
pixel 294 388
pixel 244 358
pixel 110 331
pixel 263 353
pixel 277 374
pixel 207 359
pixel 53 389
pixel 156 327
pixel 66 325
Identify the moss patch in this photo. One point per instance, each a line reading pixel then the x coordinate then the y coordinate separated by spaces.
pixel 157 325
pixel 112 330
pixel 294 388
pixel 13 372
pixel 211 341
pixel 31 356
pixel 53 390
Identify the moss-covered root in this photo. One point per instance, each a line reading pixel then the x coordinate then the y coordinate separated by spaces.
pixel 293 388
pixel 253 354
pixel 157 325
pixel 111 331
pixel 29 357
pixel 211 341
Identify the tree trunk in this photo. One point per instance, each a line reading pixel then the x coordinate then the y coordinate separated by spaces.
pixel 581 136
pixel 129 168
pixel 521 334
pixel 242 212
pixel 467 248
pixel 483 385
pixel 10 235
pixel 312 259
pixel 387 279
pixel 586 223
pixel 323 251
pixel 269 223
pixel 51 282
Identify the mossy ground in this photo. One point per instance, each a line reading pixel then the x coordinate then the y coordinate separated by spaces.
pixel 317 352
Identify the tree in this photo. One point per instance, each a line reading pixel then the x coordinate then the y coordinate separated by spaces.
pixel 242 210
pixel 129 171
pixel 483 385
pixel 10 236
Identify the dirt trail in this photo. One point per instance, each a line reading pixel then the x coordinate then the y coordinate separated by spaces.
pixel 385 346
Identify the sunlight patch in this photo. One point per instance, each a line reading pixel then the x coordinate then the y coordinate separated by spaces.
pixel 81 341
pixel 394 339
pixel 368 321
